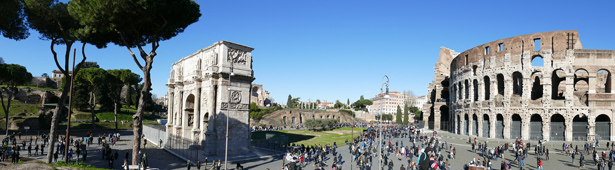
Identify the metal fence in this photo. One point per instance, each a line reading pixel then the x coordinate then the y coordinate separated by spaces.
pixel 183 147
pixel 189 149
pixel 275 146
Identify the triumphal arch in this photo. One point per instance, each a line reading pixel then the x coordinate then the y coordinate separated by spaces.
pixel 205 88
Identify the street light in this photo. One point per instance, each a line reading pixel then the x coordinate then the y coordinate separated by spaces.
pixel 386 96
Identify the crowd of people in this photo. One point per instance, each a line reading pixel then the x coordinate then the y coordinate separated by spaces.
pixel 373 145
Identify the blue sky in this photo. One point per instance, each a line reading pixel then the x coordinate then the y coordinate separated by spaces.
pixel 335 50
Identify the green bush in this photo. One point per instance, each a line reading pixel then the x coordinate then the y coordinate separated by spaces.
pixel 348 112
pixel 83 116
pixel 321 124
pixel 258 113
pixel 110 116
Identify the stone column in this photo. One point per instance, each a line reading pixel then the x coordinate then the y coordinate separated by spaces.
pixel 480 126
pixel 568 128
pixel 462 125
pixel 525 122
pixel 508 90
pixel 612 136
pixel 569 90
pixel 494 91
pixel 527 90
pixel 197 111
pixel 471 124
pixel 507 121
pixel 546 128
pixel 436 118
pixel 210 136
pixel 591 135
pixel 471 90
pixel 592 82
pixel 481 91
pixel 493 120
pixel 171 106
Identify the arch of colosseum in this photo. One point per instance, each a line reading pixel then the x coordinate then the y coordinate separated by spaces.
pixel 535 86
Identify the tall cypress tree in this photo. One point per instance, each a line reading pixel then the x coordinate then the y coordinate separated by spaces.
pixel 405 114
pixel 289 102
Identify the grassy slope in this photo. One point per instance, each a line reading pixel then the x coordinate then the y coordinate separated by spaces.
pixel 309 137
pixel 18 107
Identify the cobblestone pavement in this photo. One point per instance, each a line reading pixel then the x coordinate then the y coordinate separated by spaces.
pixel 161 159
pixel 558 160
pixel 157 157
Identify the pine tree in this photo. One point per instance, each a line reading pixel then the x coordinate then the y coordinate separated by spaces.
pixel 398 117
pixel 405 114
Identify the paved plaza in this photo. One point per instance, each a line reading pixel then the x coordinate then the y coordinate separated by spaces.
pixel 162 159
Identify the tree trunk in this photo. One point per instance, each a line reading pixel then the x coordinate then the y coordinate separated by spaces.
pixel 115 113
pixel 54 121
pixel 92 107
pixel 7 110
pixel 137 118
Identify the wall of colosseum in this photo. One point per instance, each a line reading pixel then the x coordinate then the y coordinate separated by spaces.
pixel 535 86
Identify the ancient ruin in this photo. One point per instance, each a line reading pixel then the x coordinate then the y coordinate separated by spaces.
pixel 202 95
pixel 535 86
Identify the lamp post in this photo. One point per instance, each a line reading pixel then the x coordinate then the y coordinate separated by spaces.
pixel 228 112
pixel 386 96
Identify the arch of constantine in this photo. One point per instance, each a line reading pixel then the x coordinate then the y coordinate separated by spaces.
pixel 201 96
pixel 535 86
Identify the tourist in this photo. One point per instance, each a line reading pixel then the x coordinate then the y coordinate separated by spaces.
pixel 189 165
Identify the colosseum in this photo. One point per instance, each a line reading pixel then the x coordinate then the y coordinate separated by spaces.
pixel 532 87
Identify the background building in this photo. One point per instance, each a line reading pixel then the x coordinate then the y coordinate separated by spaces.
pixel 382 105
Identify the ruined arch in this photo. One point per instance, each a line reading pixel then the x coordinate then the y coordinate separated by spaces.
pixel 254 91
pixel 190 110
pixel 487 84
pixel 515 127
pixel 486 126
pixel 500 79
pixel 581 87
pixel 444 94
pixel 475 124
pixel 466 89
pixel 537 61
pixel 558 127
pixel 558 84
pixel 580 127
pixel 603 81
pixel 517 83
pixel 466 130
pixel 475 90
pixel 537 87
pixel 536 127
pixel 444 117
pixel 603 127
pixel 499 126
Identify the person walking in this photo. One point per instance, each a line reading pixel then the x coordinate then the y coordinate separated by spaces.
pixel 198 165
pixel 540 164
pixel 189 165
